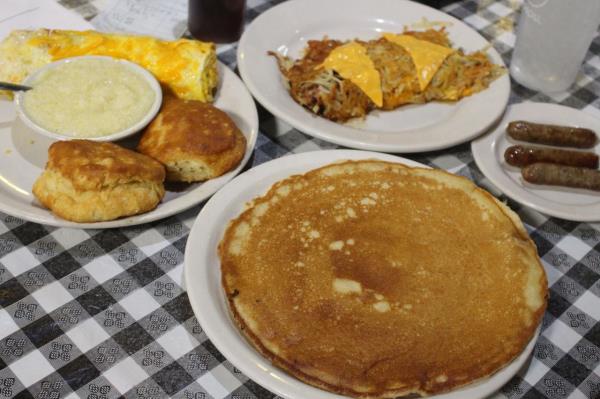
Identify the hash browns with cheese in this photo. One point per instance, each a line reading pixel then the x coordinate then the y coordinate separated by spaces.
pixel 325 93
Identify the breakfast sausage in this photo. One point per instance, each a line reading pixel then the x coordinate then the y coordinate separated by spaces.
pixel 563 136
pixel 560 175
pixel 520 156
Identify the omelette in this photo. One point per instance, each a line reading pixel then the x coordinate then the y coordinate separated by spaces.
pixel 339 81
pixel 375 280
pixel 187 68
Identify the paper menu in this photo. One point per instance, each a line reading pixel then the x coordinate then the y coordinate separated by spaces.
pixel 34 14
pixel 165 19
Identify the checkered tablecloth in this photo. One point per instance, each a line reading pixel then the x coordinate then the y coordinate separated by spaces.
pixel 103 314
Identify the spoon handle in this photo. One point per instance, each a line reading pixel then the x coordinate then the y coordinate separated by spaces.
pixel 13 87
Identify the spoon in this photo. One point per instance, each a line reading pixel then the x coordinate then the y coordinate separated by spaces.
pixel 13 87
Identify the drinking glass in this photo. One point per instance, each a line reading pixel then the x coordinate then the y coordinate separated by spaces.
pixel 219 21
pixel 553 37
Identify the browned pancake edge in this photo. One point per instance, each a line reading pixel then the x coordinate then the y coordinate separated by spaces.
pixel 422 387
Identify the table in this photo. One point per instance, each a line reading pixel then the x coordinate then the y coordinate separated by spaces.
pixel 104 313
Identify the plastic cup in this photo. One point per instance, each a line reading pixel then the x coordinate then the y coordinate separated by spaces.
pixel 553 37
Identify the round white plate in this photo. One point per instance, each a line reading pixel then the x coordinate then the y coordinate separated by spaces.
pixel 563 202
pixel 23 155
pixel 286 28
pixel 203 277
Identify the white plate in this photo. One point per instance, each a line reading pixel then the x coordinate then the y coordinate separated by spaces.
pixel 203 277
pixel 562 202
pixel 287 28
pixel 23 154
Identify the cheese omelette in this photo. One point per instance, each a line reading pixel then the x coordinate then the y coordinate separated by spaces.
pixel 335 80
pixel 371 279
pixel 188 68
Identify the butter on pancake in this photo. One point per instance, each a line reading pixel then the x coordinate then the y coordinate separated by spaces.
pixel 375 280
pixel 91 181
pixel 194 140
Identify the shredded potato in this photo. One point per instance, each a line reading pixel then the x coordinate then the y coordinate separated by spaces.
pixel 326 93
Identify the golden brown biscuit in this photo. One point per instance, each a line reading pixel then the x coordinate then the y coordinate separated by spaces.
pixel 90 181
pixel 194 140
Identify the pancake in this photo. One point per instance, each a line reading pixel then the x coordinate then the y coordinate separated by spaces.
pixel 375 280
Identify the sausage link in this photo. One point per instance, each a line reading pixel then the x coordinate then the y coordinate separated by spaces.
pixel 559 175
pixel 518 155
pixel 562 136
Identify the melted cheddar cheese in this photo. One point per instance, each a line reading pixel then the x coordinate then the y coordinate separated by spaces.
pixel 428 57
pixel 186 67
pixel 352 62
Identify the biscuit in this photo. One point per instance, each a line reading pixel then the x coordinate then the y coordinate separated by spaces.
pixel 90 181
pixel 194 140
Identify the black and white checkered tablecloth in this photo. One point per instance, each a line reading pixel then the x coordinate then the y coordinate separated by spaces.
pixel 103 314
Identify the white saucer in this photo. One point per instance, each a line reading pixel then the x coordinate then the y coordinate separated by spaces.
pixel 566 203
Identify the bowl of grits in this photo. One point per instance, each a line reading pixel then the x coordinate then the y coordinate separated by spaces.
pixel 89 97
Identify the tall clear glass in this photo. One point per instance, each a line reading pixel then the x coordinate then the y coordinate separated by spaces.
pixel 553 37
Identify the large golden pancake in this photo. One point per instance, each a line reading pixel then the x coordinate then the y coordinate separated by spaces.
pixel 371 279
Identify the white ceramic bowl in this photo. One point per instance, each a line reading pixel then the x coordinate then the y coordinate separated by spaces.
pixel 145 74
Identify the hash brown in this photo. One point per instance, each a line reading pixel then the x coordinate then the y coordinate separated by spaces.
pixel 371 279
pixel 324 92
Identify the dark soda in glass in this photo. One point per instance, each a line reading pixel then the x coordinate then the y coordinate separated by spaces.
pixel 219 21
